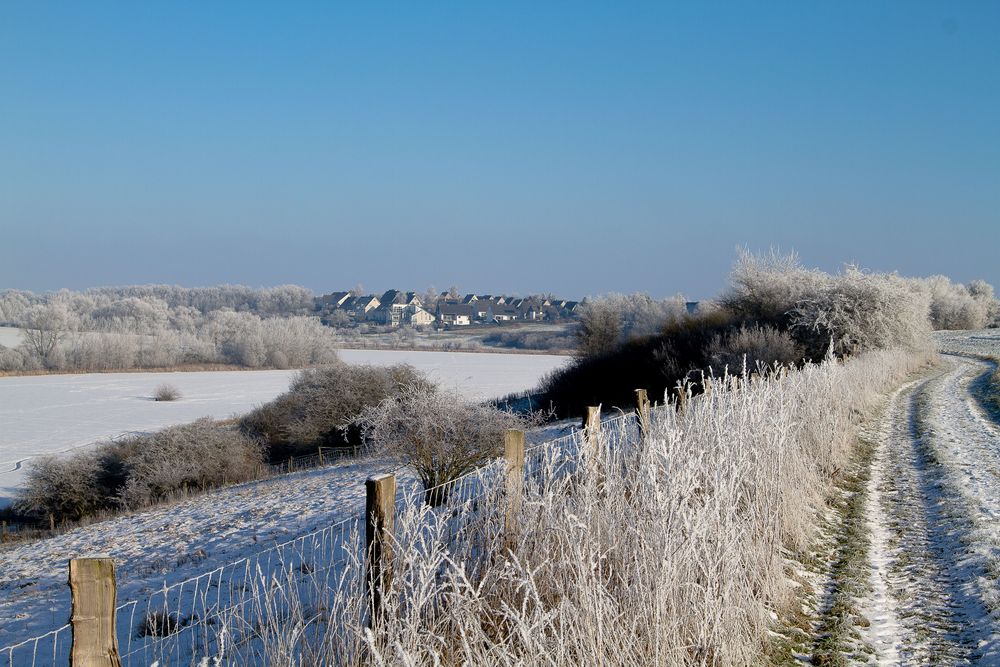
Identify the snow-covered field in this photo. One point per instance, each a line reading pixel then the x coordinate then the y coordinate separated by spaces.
pixel 10 337
pixel 57 413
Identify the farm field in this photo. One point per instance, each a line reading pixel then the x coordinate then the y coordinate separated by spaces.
pixel 58 413
pixel 10 337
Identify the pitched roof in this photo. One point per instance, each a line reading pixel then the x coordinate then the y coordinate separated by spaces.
pixel 455 309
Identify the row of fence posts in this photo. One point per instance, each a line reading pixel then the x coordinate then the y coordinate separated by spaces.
pixel 92 580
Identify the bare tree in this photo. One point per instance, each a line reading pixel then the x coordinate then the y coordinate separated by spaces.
pixel 44 327
pixel 600 328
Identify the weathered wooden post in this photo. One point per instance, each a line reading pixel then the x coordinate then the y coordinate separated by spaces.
pixel 92 585
pixel 682 398
pixel 513 452
pixel 642 411
pixel 52 522
pixel 592 431
pixel 380 521
pixel 320 452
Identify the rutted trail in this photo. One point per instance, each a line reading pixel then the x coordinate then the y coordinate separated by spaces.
pixel 934 520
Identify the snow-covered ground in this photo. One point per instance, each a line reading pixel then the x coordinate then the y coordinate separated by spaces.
pixel 175 542
pixel 10 337
pixel 57 413
pixel 934 517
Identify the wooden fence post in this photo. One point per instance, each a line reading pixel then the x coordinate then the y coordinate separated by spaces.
pixel 92 585
pixel 642 412
pixel 682 398
pixel 513 452
pixel 380 520
pixel 592 431
pixel 320 451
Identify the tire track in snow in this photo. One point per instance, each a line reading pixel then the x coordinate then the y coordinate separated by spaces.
pixel 934 518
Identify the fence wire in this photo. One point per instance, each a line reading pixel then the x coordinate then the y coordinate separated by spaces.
pixel 232 607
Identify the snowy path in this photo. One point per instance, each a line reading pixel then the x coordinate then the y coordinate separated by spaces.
pixel 934 519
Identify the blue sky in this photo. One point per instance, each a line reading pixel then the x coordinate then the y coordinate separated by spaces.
pixel 568 147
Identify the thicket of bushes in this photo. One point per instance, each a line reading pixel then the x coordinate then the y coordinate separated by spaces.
pixel 531 340
pixel 139 470
pixel 162 326
pixel 774 311
pixel 322 405
pixel 321 408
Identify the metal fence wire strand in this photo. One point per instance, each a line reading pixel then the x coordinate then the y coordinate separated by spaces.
pixel 187 621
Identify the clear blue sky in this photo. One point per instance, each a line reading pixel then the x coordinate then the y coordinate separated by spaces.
pixel 568 147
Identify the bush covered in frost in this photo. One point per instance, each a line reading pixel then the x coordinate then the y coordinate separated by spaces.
pixel 321 405
pixel 139 470
pixel 438 433
pixel 774 310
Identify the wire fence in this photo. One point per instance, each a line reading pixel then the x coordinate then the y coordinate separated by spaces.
pixel 231 607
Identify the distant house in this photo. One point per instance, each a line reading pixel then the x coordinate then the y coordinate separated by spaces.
pixel 396 308
pixel 333 300
pixel 455 314
pixel 505 313
pixel 363 306
pixel 419 317
pixel 482 310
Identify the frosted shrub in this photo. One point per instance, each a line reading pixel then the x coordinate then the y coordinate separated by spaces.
pixel 438 433
pixel 860 311
pixel 194 456
pixel 751 347
pixel 159 326
pixel 608 321
pixel 140 469
pixel 65 487
pixel 166 392
pixel 321 404
pixel 854 309
pixel 763 288
pixel 957 306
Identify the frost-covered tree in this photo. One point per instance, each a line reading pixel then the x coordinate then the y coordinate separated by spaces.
pixel 13 303
pixel 608 321
pixel 44 326
pixel 957 306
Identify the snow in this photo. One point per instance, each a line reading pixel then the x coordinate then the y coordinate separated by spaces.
pixel 172 543
pixel 53 414
pixel 10 337
pixel 475 375
pixel 934 516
